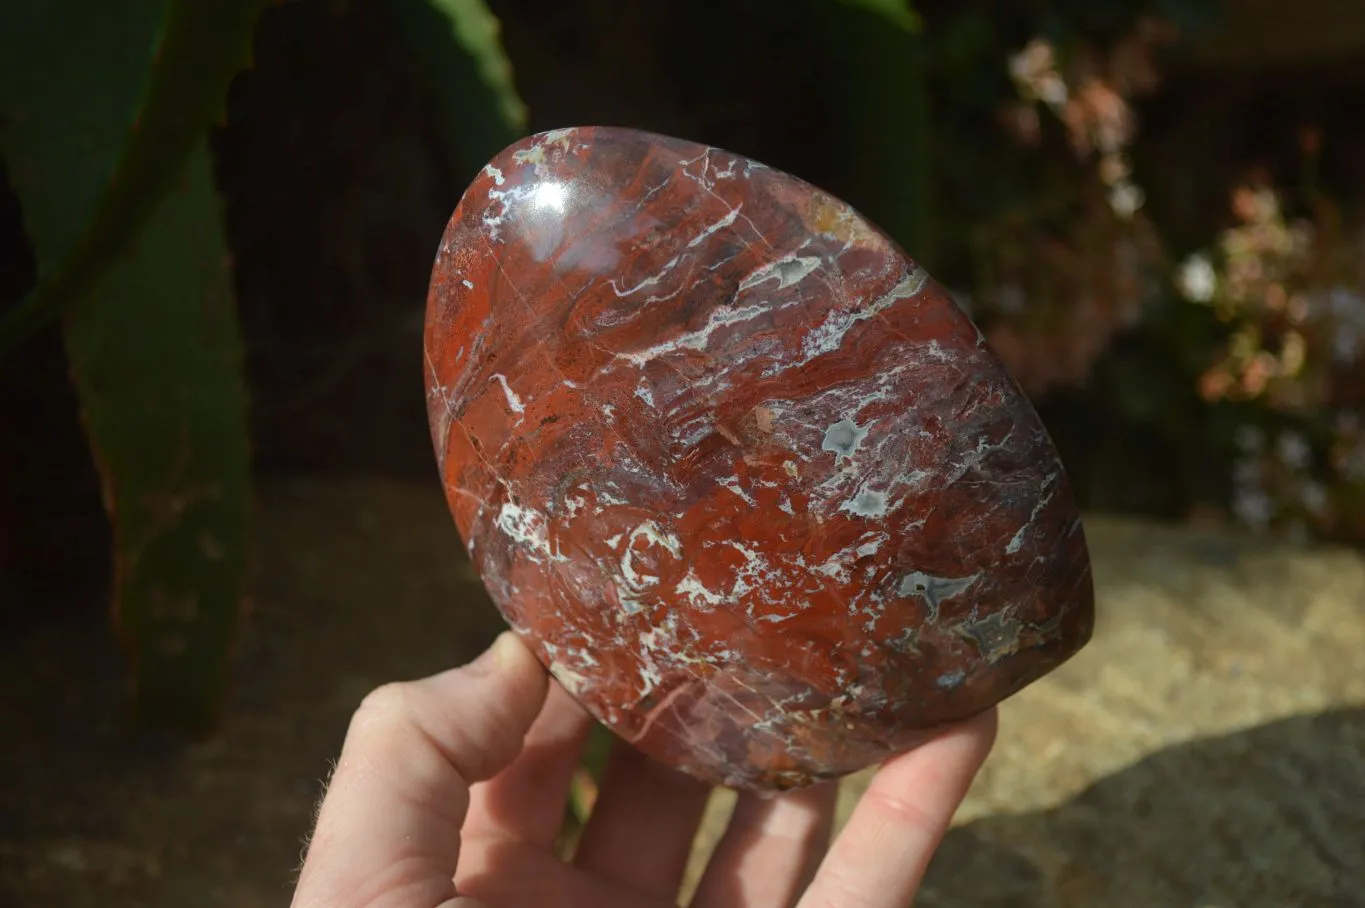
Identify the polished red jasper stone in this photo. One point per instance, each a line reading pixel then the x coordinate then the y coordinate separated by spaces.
pixel 742 474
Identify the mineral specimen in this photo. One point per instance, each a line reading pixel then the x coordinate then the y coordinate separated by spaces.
pixel 740 472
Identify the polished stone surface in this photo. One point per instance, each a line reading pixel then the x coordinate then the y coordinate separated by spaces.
pixel 741 472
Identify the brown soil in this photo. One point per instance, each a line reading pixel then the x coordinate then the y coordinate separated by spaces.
pixel 358 583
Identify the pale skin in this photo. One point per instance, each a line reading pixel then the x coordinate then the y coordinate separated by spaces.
pixel 450 792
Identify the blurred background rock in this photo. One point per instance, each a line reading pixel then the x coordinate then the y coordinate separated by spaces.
pixel 1155 209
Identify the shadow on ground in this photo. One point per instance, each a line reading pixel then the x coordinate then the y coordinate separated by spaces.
pixel 1272 816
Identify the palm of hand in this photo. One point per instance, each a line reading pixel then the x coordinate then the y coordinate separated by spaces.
pixel 401 828
pixel 634 851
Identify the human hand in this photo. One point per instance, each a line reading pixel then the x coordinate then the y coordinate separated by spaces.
pixel 450 792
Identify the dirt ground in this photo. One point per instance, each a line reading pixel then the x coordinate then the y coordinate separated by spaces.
pixel 358 583
pixel 1208 750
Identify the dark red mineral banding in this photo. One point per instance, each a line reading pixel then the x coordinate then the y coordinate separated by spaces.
pixel 741 473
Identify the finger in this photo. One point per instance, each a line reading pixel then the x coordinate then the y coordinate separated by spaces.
pixel 526 800
pixel 509 874
pixel 389 828
pixel 642 825
pixel 879 858
pixel 770 849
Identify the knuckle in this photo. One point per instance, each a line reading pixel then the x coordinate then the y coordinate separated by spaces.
pixel 902 812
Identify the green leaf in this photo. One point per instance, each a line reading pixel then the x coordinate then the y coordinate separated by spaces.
pixel 156 358
pixel 458 45
pixel 877 97
pixel 100 106
pixel 896 12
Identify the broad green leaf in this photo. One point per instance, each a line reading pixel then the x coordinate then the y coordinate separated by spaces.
pixel 877 95
pixel 896 12
pixel 458 45
pixel 156 358
pixel 100 106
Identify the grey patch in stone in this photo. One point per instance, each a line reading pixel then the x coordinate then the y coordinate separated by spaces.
pixel 950 680
pixel 934 590
pixel 995 635
pixel 866 504
pixel 843 438
pixel 907 643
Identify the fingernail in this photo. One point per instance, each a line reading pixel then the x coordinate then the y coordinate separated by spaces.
pixel 499 657
pixel 506 650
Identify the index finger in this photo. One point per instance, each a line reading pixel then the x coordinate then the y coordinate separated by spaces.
pixel 879 859
pixel 389 827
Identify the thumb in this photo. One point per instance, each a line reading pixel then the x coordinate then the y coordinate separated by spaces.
pixel 388 830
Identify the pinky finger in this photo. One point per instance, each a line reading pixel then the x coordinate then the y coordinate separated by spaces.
pixel 879 859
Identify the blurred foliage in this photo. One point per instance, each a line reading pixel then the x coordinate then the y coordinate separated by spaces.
pixel 875 89
pixel 156 359
pixel 107 113
pixel 458 44
pixel 896 13
pixel 102 106
pixel 1228 381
